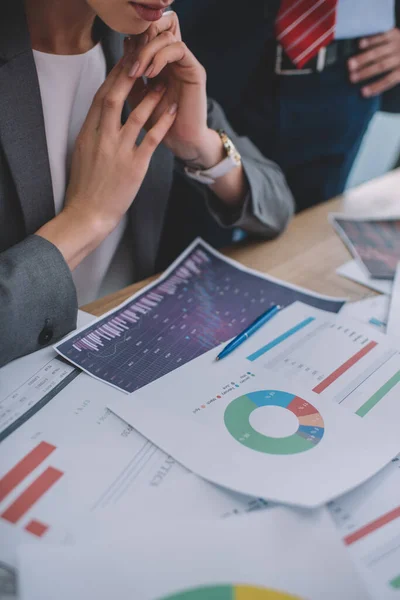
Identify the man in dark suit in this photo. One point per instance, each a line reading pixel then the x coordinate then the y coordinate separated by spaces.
pixel 301 78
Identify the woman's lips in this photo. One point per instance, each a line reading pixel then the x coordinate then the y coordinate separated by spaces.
pixel 148 12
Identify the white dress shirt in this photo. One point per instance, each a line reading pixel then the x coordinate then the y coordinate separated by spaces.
pixel 67 86
pixel 358 18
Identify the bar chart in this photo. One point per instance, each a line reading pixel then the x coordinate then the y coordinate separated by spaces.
pixel 369 376
pixel 374 525
pixel 33 492
pixel 369 521
pixel 305 339
pixel 375 384
pixel 280 339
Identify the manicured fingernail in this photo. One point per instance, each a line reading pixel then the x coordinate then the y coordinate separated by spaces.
pixel 354 77
pixel 352 64
pixel 159 87
pixel 173 108
pixel 149 71
pixel 366 92
pixel 134 69
pixel 363 43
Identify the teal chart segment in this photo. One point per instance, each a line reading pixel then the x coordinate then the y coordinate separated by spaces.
pixel 309 433
pixel 280 339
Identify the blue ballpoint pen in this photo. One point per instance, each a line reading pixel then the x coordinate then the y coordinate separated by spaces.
pixel 252 328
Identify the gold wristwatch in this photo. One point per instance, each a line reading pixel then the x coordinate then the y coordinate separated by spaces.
pixel 231 161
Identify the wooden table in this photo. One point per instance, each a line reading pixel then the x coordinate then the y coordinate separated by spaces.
pixel 309 251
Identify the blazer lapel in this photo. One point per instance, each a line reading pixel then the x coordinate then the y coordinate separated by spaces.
pixel 22 130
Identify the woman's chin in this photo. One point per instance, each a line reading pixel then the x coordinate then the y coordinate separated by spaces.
pixel 136 29
pixel 129 26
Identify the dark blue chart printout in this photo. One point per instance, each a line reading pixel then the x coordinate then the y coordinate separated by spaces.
pixel 202 300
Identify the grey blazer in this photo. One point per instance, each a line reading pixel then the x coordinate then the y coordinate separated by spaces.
pixel 38 302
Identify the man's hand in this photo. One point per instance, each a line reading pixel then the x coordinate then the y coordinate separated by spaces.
pixel 381 57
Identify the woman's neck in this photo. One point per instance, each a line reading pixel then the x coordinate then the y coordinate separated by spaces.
pixel 60 26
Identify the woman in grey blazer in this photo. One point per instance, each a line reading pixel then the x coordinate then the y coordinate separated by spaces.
pixel 125 166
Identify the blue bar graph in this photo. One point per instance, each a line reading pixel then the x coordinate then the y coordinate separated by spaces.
pixel 377 322
pixel 280 339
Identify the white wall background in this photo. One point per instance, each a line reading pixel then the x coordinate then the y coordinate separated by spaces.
pixel 380 150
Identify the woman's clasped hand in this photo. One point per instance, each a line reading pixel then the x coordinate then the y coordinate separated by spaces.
pixel 163 58
pixel 166 90
pixel 107 161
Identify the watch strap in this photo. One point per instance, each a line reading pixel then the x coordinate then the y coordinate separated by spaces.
pixel 209 176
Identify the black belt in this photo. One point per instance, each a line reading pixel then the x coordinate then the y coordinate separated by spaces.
pixel 339 51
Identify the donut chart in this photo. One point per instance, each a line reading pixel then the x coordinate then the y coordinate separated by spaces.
pixel 230 592
pixel 309 433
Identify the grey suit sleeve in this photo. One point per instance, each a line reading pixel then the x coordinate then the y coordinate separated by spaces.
pixel 38 303
pixel 269 204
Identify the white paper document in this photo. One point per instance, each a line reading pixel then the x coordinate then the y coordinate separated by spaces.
pixel 352 270
pixel 275 555
pixel 29 383
pixel 281 416
pixel 374 311
pixel 394 313
pixel 369 521
pixel 70 467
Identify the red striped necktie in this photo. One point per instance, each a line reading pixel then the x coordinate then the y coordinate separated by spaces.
pixel 303 27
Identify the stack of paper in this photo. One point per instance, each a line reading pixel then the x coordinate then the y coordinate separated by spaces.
pixel 278 555
pixel 301 414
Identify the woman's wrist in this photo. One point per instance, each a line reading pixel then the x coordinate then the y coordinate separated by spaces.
pixel 75 233
pixel 231 188
pixel 205 153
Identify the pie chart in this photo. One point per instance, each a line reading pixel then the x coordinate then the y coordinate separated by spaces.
pixel 310 423
pixel 230 592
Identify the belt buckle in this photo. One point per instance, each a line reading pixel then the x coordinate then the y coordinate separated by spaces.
pixel 321 59
pixel 320 63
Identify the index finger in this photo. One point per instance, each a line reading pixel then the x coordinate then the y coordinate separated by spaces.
pixel 375 40
pixel 93 117
pixel 168 22
pixel 369 57
pixel 112 102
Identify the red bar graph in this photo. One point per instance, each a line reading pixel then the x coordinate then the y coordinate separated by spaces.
pixel 24 468
pixel 321 387
pixel 31 495
pixel 373 526
pixel 36 528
